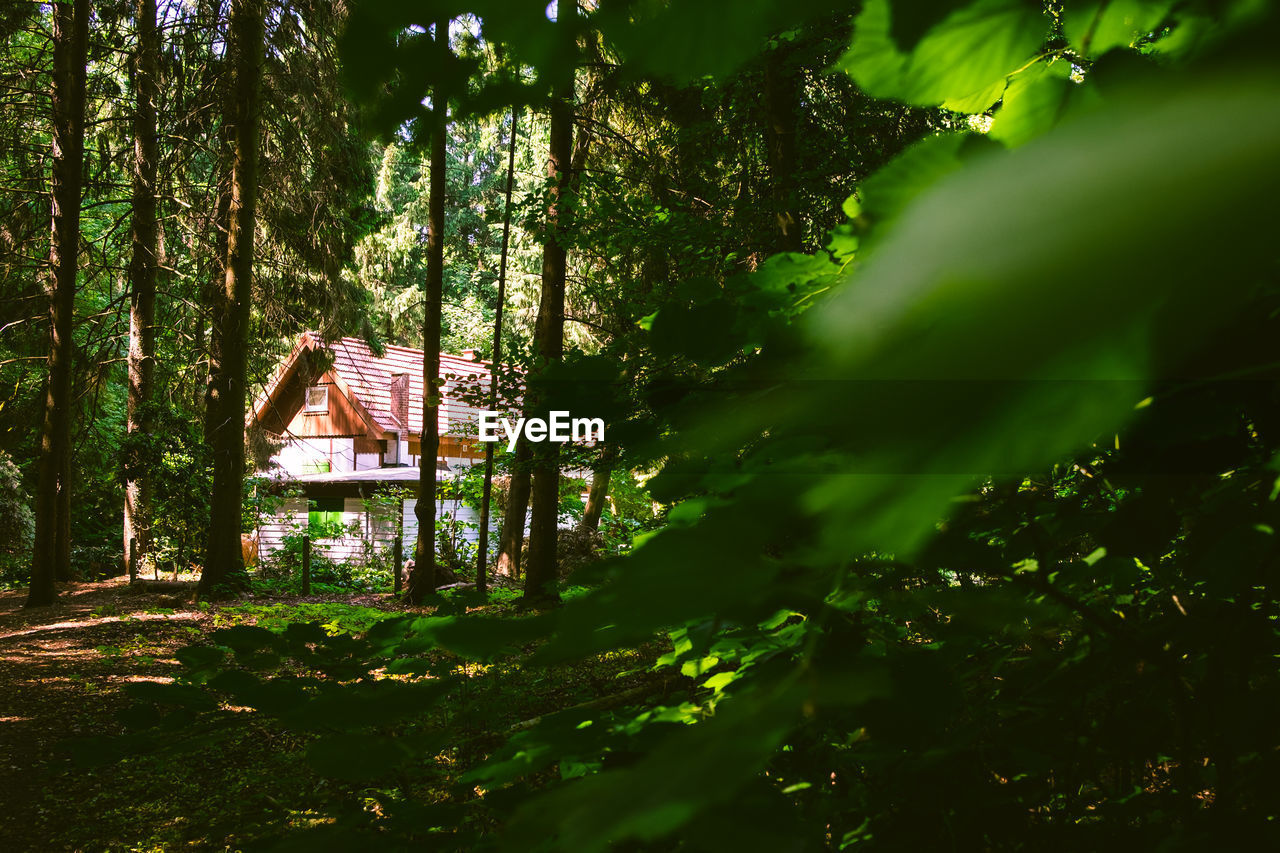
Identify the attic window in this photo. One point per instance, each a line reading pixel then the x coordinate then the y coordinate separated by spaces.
pixel 318 398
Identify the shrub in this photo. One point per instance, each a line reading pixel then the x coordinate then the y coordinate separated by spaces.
pixel 17 525
pixel 575 548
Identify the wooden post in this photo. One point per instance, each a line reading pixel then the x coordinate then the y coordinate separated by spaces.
pixel 397 549
pixel 306 564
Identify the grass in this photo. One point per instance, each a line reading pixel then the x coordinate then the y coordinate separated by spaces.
pixel 334 617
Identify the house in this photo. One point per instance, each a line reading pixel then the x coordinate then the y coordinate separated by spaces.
pixel 349 420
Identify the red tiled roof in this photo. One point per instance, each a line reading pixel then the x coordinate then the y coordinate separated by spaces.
pixel 369 378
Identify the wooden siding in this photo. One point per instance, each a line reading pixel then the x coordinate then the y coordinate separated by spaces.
pixel 341 419
pixel 450 447
pixel 286 411
pixel 378 530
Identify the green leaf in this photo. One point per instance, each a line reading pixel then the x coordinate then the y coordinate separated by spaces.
pixel 1096 26
pixel 889 191
pixel 1036 100
pixel 356 757
pixel 481 637
pixel 704 333
pixel 695 766
pixel 911 19
pixel 694 668
pixel 200 657
pixel 366 703
pixel 177 695
pixel 1023 247
pixel 961 63
pixel 687 39
pixel 245 639
pixel 275 696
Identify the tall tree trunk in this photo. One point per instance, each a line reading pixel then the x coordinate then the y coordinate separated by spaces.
pixel 215 293
pixel 422 581
pixel 62 533
pixel 224 559
pixel 780 96
pixel 540 573
pixel 51 557
pixel 482 549
pixel 215 299
pixel 142 298
pixel 599 490
pixel 511 535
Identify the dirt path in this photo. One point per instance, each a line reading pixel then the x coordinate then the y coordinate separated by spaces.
pixel 60 672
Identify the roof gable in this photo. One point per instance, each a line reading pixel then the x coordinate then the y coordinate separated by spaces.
pixel 366 379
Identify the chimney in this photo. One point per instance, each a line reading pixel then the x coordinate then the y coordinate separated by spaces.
pixel 470 355
pixel 400 398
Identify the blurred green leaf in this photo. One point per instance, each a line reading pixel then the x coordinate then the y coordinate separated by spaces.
pixel 1096 26
pixel 356 757
pixel 961 63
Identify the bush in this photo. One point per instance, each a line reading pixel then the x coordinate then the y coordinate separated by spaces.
pixel 575 548
pixel 282 569
pixel 17 526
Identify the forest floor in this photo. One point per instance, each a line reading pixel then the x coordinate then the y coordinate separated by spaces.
pixel 61 673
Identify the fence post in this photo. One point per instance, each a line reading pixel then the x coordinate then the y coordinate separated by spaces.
pixel 306 564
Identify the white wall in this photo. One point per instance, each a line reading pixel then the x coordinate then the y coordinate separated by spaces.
pixel 343 454
pixel 379 531
pixel 299 455
pixel 454 508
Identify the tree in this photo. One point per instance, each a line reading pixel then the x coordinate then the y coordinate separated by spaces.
pixel 599 490
pixel 540 573
pixel 422 581
pixel 224 562
pixel 142 276
pixel 482 546
pixel 51 556
pixel 780 101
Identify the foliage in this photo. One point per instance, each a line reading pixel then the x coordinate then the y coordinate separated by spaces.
pixel 629 512
pixel 334 617
pixel 17 525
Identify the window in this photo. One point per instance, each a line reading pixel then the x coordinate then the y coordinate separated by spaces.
pixel 318 398
pixel 324 514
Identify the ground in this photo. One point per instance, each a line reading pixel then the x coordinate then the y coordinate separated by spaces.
pixel 61 673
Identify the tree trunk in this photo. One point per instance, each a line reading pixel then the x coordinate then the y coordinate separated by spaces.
pixel 780 96
pixel 62 535
pixel 51 557
pixel 422 581
pixel 540 573
pixel 511 536
pixel 599 490
pixel 142 298
pixel 215 298
pixel 482 549
pixel 215 294
pixel 224 561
